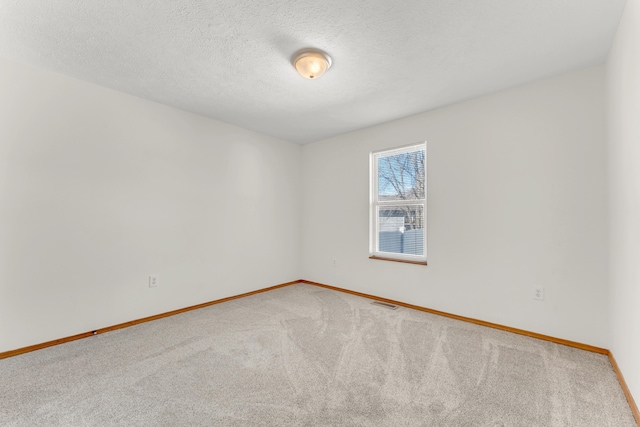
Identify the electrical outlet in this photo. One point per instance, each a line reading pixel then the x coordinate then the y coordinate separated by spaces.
pixel 538 292
pixel 153 281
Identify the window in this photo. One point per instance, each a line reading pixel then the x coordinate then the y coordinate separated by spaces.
pixel 398 207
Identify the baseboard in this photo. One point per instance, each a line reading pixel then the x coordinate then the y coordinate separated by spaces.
pixel 574 344
pixel 35 347
pixel 625 388
pixel 581 346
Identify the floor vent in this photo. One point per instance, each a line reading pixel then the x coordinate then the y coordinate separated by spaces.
pixel 385 305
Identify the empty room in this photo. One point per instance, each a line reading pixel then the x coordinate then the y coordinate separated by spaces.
pixel 296 213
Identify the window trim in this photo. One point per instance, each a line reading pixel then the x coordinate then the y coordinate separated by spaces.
pixel 374 205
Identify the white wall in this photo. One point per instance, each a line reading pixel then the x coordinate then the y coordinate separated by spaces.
pixel 99 189
pixel 623 78
pixel 517 195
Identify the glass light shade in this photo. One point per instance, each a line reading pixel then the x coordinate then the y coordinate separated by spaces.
pixel 311 63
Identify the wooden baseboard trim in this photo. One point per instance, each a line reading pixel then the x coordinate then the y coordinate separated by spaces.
pixel 581 346
pixel 614 364
pixel 574 344
pixel 40 346
pixel 625 388
pixel 35 347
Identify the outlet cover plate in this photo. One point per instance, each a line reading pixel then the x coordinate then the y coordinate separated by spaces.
pixel 538 293
pixel 153 281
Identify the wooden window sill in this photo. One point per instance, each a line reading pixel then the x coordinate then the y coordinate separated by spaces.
pixel 399 260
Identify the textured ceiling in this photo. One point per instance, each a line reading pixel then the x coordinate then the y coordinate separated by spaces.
pixel 230 60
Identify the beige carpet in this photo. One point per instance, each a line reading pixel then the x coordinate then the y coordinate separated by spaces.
pixel 307 356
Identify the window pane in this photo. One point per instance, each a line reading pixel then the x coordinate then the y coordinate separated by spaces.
pixel 401 229
pixel 401 176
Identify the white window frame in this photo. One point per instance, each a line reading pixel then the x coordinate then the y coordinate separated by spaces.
pixel 375 204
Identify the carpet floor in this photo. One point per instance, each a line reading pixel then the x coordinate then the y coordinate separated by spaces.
pixel 307 356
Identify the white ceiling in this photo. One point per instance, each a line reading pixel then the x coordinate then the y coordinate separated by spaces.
pixel 230 60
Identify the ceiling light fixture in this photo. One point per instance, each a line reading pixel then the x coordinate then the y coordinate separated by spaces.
pixel 311 63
